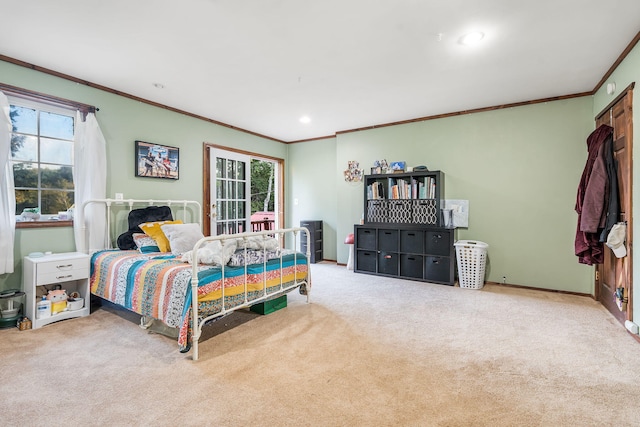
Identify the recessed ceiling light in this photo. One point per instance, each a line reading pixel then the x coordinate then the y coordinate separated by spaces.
pixel 471 38
pixel 305 119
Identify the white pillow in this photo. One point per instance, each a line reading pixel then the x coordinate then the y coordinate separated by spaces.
pixel 182 237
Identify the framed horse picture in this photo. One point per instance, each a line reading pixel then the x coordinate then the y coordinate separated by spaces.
pixel 157 161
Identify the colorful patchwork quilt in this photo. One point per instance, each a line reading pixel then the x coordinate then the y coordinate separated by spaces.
pixel 158 285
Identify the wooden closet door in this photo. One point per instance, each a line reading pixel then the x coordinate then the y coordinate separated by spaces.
pixel 616 273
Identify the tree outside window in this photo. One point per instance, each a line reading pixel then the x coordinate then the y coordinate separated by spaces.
pixel 42 158
pixel 262 186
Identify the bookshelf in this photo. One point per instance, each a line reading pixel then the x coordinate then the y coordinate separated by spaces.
pixel 403 234
pixel 404 198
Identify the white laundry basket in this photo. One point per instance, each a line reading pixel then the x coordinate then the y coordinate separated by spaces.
pixel 472 259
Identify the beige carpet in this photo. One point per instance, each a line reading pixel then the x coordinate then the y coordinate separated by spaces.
pixel 368 351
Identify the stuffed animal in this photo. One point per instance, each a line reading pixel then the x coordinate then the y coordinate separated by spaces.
pixel 58 300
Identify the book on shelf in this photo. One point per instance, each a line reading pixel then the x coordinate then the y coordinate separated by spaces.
pixel 400 188
pixel 375 191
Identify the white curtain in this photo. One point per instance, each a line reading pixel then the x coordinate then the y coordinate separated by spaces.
pixel 90 182
pixel 7 192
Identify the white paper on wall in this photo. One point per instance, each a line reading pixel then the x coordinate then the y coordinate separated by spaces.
pixel 460 210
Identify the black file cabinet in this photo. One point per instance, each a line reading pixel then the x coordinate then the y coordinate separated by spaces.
pixel 315 239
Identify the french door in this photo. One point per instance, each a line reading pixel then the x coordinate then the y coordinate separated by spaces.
pixel 230 192
pixel 243 191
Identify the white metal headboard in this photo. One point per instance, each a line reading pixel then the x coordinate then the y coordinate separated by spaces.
pixel 108 203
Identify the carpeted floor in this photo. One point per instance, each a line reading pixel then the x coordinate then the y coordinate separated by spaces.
pixel 367 351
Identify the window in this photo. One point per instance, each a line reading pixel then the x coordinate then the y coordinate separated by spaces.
pixel 42 157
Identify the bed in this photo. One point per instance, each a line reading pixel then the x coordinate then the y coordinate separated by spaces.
pixel 227 272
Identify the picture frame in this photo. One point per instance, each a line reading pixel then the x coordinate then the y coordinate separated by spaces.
pixel 380 166
pixel 157 161
pixel 397 167
pixel 353 172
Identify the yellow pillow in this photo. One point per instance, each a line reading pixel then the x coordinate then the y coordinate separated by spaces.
pixel 153 230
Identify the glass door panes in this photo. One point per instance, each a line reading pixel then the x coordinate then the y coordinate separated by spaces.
pixel 229 202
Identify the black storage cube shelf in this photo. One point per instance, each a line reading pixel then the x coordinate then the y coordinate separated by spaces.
pixel 403 233
pixel 406 251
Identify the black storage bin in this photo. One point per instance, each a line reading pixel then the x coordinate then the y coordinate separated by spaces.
pixel 388 240
pixel 388 263
pixel 411 266
pixel 412 241
pixel 436 268
pixel 366 261
pixel 366 238
pixel 438 243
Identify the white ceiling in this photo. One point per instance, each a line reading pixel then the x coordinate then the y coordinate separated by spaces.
pixel 261 64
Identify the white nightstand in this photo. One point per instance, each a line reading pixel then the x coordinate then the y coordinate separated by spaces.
pixel 70 270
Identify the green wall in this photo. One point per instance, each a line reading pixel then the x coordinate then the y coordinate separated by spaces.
pixel 626 73
pixel 310 189
pixel 123 121
pixel 518 167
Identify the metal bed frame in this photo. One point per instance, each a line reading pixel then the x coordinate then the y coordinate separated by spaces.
pixel 197 325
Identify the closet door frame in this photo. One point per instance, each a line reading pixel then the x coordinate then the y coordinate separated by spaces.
pixel 618 272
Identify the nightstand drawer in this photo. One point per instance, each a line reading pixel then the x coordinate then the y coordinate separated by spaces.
pixel 62 266
pixel 62 276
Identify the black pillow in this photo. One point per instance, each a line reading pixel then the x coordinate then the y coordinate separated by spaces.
pixel 140 216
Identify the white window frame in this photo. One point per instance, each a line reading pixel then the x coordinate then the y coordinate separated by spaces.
pixel 49 108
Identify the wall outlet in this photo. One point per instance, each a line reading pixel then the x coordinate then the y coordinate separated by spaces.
pixel 119 196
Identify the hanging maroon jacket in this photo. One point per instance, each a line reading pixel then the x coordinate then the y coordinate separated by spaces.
pixel 588 247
